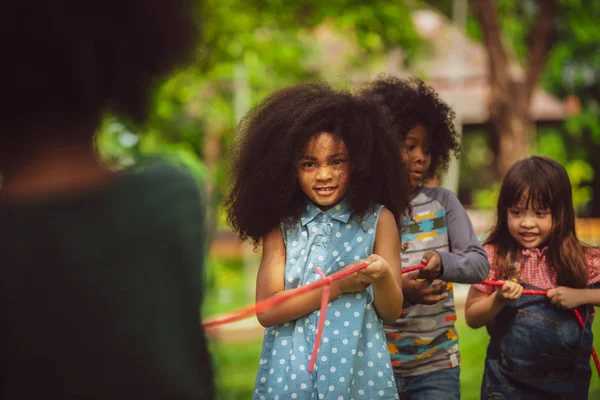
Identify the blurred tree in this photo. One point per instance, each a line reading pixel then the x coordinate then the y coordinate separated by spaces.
pixel 571 72
pixel 249 49
pixel 510 95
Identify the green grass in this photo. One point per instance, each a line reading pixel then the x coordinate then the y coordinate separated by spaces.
pixel 236 364
pixel 235 369
pixel 227 289
pixel 473 344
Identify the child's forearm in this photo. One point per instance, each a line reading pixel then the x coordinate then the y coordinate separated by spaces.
pixel 471 266
pixel 297 306
pixel 483 311
pixel 591 296
pixel 388 299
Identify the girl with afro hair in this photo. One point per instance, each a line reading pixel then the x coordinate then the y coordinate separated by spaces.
pixel 423 343
pixel 318 181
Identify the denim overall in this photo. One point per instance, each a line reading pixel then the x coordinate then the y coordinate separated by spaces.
pixel 538 351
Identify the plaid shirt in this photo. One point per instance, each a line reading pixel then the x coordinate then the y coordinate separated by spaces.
pixel 534 270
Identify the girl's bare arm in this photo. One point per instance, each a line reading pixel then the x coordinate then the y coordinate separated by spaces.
pixel 482 308
pixel 270 282
pixel 387 289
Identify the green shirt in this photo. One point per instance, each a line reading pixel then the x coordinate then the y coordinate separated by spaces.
pixel 100 293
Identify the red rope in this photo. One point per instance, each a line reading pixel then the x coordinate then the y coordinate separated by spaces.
pixel 326 282
pixel 324 302
pixel 278 298
pixel 413 268
pixel 594 355
pixel 283 296
pixel 543 293
pixel 525 291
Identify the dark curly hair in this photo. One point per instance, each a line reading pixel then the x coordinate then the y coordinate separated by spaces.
pixel 410 102
pixel 66 59
pixel 273 135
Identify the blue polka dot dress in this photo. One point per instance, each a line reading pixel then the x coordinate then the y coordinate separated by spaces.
pixel 353 360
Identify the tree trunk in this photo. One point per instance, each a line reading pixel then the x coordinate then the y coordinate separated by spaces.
pixel 511 121
pixel 510 96
pixel 512 145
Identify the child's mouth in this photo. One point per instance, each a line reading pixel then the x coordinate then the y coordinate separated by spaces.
pixel 528 237
pixel 417 174
pixel 325 191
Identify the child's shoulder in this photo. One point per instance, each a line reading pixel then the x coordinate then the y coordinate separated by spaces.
pixel 366 221
pixel 165 178
pixel 372 214
pixel 161 188
pixel 593 256
pixel 374 211
pixel 491 250
pixel 593 265
pixel 437 190
pixel 164 171
pixel 444 196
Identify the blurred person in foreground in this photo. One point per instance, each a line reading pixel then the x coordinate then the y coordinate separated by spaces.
pixel 100 289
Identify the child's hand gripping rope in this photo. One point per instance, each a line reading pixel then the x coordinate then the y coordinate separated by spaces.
pixel 273 301
pixel 556 298
pixel 509 291
pixel 512 291
pixel 565 297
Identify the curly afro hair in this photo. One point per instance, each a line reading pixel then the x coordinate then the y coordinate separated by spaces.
pixel 411 102
pixel 273 136
pixel 67 59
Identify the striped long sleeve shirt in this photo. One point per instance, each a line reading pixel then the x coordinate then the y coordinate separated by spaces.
pixel 424 339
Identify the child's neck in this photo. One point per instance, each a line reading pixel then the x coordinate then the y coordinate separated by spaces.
pixel 539 249
pixel 49 169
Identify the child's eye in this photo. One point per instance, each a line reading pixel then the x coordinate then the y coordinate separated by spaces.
pixel 515 212
pixel 541 213
pixel 338 161
pixel 307 164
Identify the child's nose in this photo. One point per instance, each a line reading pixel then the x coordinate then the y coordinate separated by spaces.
pixel 418 155
pixel 323 173
pixel 527 221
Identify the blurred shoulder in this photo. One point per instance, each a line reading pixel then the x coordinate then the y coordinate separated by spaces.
pixel 441 194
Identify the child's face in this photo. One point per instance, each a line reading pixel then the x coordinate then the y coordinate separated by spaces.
pixel 529 225
pixel 323 170
pixel 417 154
